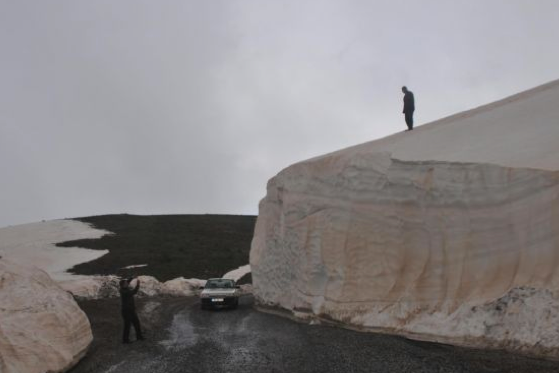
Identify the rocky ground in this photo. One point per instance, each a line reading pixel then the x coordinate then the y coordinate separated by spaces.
pixel 170 246
pixel 183 338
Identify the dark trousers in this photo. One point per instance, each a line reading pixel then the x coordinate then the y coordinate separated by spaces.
pixel 131 318
pixel 409 119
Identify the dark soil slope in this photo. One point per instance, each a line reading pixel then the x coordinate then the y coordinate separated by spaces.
pixel 192 246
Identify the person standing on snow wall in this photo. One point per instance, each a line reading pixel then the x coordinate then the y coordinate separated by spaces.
pixel 409 107
pixel 129 309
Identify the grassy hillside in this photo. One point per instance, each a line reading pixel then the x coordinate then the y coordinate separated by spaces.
pixel 192 246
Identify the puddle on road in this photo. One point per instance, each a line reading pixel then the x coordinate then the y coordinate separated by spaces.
pixel 242 345
pixel 234 336
pixel 181 332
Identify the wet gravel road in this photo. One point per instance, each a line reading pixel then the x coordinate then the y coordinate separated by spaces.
pixel 183 338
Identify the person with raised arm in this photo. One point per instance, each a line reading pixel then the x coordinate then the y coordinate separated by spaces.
pixel 129 309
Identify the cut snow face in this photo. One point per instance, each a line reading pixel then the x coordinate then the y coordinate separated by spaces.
pixel 437 233
pixel 34 245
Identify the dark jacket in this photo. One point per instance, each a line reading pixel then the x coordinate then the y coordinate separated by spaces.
pixel 127 297
pixel 409 103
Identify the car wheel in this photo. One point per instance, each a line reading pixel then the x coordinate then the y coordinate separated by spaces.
pixel 235 304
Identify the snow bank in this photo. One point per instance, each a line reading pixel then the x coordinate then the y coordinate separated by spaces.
pixel 97 287
pixel 238 273
pixel 425 233
pixel 524 319
pixel 41 326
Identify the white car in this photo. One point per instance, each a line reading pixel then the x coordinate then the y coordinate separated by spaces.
pixel 219 292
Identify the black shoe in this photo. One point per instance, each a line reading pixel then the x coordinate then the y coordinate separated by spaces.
pixel 126 342
pixel 140 338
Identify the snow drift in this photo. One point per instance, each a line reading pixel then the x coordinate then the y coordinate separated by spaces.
pixel 34 244
pixel 447 233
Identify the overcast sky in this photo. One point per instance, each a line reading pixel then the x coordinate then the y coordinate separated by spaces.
pixel 190 106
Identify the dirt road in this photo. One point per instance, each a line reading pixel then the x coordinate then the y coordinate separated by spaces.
pixel 183 338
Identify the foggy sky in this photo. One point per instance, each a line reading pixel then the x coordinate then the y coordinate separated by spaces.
pixel 190 106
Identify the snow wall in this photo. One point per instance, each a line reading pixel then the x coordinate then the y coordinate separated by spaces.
pixel 426 234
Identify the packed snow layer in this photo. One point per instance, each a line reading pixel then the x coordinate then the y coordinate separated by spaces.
pixel 42 329
pixel 429 248
pixel 34 245
pixel 518 131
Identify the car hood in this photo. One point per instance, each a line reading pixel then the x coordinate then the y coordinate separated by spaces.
pixel 218 291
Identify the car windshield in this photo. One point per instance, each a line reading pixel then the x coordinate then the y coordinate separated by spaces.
pixel 219 284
